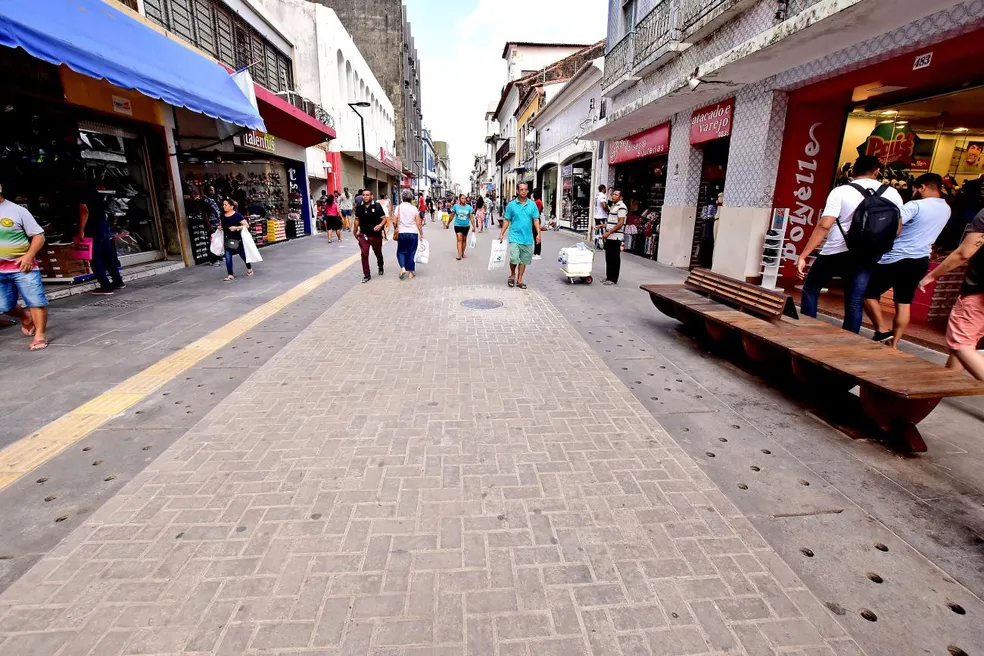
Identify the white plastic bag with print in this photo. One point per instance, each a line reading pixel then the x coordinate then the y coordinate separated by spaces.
pixel 472 240
pixel 217 243
pixel 498 255
pixel 423 252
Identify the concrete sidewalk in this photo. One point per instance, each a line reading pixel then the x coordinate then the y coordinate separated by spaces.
pixel 412 476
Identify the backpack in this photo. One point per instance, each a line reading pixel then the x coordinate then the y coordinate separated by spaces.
pixel 874 225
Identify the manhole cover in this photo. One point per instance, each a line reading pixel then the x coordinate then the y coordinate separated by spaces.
pixel 481 304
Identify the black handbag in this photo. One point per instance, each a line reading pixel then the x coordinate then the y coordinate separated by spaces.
pixel 232 244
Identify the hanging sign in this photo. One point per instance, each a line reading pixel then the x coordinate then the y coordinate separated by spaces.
pixel 893 144
pixel 654 141
pixel 256 140
pixel 711 123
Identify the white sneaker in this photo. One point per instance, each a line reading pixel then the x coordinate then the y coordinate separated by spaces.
pixel 537 257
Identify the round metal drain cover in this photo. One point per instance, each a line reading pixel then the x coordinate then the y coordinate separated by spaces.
pixel 481 304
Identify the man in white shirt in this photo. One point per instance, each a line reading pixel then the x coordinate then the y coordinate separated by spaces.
pixel 614 237
pixel 834 259
pixel 600 215
pixel 901 269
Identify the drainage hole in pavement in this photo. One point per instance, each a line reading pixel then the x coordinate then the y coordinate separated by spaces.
pixel 109 478
pixel 868 615
pixel 735 426
pixel 835 608
pixel 179 535
pixel 625 368
pixel 767 452
pixel 42 480
pixel 874 578
pixel 722 439
pixel 685 429
pixel 146 448
pixel 316 516
pixel 804 482
pixel 50 498
pixel 679 380
pixel 955 651
pixel 956 608
pixel 755 468
pixel 807 552
pixel 96 463
pixel 61 519
pixel 240 529
pixel 87 448
pixel 710 454
pixel 654 398
pixel 742 486
pixel 880 547
pixel 6 557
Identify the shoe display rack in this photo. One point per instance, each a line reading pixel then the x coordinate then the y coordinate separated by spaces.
pixel 772 253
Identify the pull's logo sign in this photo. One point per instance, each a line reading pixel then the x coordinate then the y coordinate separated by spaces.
pixel 891 144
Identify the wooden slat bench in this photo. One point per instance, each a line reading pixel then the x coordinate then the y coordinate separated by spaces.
pixel 898 390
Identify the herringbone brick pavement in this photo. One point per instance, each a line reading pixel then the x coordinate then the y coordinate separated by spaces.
pixel 413 477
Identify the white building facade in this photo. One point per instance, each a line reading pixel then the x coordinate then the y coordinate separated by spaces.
pixel 330 69
pixel 719 110
pixel 567 164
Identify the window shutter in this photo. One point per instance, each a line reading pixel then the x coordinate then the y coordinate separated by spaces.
pixel 226 40
pixel 181 19
pixel 205 27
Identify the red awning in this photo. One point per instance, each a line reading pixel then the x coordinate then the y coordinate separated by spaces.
pixel 287 122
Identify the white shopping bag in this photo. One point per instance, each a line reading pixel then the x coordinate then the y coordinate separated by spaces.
pixel 249 246
pixel 497 258
pixel 217 244
pixel 472 240
pixel 423 252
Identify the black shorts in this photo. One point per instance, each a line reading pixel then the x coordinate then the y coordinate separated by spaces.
pixel 333 222
pixel 902 277
pixel 462 230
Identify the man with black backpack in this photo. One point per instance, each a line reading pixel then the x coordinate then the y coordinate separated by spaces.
pixel 860 222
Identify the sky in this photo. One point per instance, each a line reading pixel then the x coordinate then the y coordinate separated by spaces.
pixel 459 46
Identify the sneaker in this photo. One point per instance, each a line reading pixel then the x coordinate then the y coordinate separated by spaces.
pixel 537 257
pixel 366 279
pixel 119 285
pixel 609 282
pixel 380 270
pixel 103 291
pixel 882 337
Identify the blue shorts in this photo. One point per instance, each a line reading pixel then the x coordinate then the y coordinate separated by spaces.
pixel 346 212
pixel 26 286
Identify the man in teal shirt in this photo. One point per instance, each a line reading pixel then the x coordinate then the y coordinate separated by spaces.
pixel 522 216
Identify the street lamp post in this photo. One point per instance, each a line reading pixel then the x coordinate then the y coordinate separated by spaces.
pixel 362 129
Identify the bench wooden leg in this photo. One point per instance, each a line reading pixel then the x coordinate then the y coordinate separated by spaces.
pixel 898 416
pixel 760 351
pixel 720 334
pixel 814 375
pixel 664 306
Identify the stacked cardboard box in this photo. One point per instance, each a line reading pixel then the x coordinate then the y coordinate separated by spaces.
pixel 56 261
pixel 276 230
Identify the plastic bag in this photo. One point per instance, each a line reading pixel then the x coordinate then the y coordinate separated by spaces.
pixel 217 244
pixel 472 240
pixel 423 252
pixel 249 246
pixel 497 257
pixel 82 248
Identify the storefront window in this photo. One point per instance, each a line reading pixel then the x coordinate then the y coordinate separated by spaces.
pixel 50 161
pixel 643 185
pixel 576 194
pixel 942 134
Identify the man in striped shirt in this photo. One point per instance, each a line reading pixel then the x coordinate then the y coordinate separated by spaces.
pixel 614 237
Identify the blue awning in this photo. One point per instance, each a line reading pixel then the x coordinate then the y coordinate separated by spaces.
pixel 95 39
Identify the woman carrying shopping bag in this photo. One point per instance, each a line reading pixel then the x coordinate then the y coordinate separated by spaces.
pixel 233 225
pixel 409 233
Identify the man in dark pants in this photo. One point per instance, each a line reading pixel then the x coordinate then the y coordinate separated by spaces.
pixel 370 219
pixel 94 223
pixel 614 237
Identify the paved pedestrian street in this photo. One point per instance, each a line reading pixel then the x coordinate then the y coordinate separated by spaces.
pixel 411 475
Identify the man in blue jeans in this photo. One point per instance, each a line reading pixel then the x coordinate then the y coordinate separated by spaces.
pixel 94 223
pixel 834 259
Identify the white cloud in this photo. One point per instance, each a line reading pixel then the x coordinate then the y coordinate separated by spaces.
pixel 462 69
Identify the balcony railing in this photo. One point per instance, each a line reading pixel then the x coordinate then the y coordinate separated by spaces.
pixel 618 60
pixel 694 14
pixel 506 148
pixel 654 31
pixel 309 107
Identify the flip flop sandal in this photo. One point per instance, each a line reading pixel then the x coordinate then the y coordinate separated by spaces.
pixel 403 275
pixel 511 282
pixel 228 279
pixel 39 346
pixel 521 285
pixel 249 273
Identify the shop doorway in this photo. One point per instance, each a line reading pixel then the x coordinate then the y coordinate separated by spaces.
pixel 710 197
pixel 643 185
pixel 575 208
pixel 547 182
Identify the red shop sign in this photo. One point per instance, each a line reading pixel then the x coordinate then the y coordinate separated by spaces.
pixel 810 145
pixel 654 141
pixel 712 122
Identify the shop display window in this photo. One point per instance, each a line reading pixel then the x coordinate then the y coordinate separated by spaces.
pixel 576 194
pixel 643 185
pixel 942 134
pixel 50 162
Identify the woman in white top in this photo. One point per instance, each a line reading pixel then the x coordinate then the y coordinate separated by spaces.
pixel 409 232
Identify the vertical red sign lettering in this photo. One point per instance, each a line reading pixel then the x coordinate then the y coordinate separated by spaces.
pixel 810 146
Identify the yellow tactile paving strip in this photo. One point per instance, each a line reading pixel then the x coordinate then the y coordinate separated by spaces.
pixel 29 453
